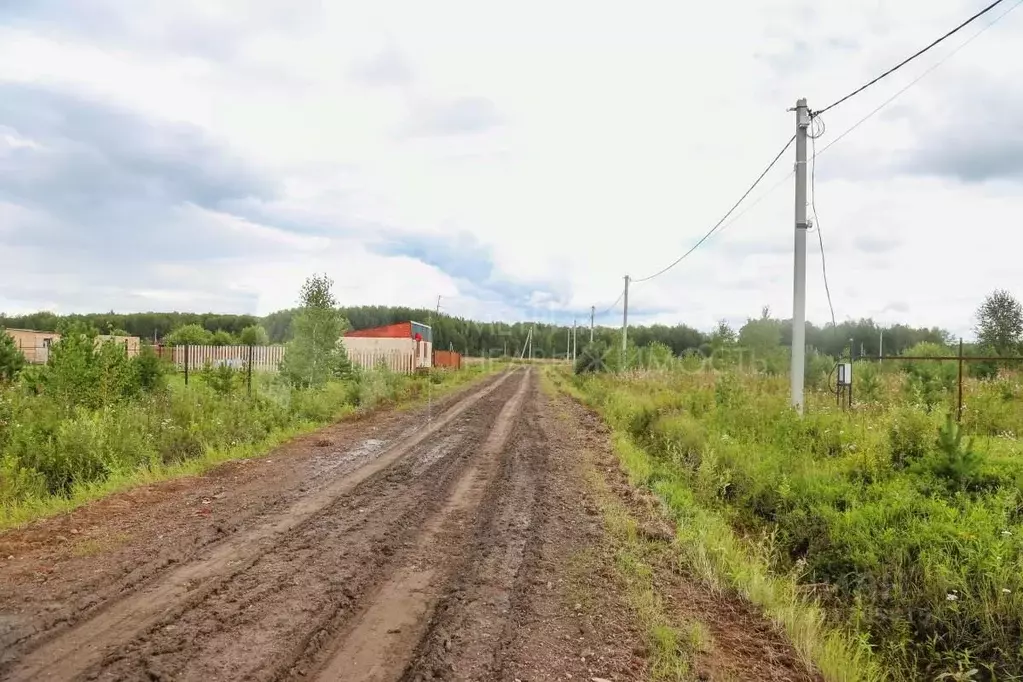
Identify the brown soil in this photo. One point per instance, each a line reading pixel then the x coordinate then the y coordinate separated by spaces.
pixel 458 543
pixel 742 644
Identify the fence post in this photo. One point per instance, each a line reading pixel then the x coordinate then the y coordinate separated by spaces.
pixel 186 363
pixel 959 409
pixel 250 370
pixel 852 362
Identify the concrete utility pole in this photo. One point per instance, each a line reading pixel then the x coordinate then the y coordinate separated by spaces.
pixel 593 314
pixel 880 345
pixel 525 344
pixel 574 327
pixel 799 260
pixel 625 325
pixel 531 342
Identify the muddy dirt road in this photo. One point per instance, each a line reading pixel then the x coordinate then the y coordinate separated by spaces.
pixel 446 542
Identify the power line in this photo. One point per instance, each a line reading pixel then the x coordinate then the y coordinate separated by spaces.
pixel 723 218
pixel 751 206
pixel 911 57
pixel 608 309
pixel 919 78
pixel 816 219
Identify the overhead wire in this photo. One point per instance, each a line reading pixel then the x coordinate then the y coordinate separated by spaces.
pixel 750 206
pixel 723 218
pixel 907 60
pixel 816 218
pixel 611 307
pixel 916 80
pixel 813 135
pixel 721 224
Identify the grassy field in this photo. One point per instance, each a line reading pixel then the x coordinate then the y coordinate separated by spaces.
pixel 885 540
pixel 95 422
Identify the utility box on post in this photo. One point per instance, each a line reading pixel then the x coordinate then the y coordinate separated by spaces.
pixel 845 374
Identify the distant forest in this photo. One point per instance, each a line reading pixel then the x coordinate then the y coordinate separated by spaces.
pixel 497 338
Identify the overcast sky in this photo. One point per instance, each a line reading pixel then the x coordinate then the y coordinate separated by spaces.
pixel 515 158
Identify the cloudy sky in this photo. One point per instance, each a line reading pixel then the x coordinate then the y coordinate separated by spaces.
pixel 515 158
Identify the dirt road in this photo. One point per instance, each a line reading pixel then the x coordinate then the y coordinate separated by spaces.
pixel 449 542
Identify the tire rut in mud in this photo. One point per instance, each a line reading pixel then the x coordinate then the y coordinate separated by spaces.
pixel 379 642
pixel 138 634
pixel 474 620
pixel 67 569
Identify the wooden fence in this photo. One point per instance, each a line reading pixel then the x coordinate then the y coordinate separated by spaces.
pixel 264 358
pixel 394 360
pixel 268 358
pixel 447 358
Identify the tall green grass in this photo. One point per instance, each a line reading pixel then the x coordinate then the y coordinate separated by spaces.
pixel 58 451
pixel 905 533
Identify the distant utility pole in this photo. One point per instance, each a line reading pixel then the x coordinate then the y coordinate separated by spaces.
pixel 625 325
pixel 593 314
pixel 527 344
pixel 799 260
pixel 574 327
pixel 880 345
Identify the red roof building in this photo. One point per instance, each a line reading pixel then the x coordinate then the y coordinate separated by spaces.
pixel 403 346
pixel 398 330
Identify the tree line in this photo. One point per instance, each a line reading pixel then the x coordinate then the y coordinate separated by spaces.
pixel 493 338
pixel 999 331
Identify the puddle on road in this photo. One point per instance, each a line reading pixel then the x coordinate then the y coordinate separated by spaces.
pixel 330 462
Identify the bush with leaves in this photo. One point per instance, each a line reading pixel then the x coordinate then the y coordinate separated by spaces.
pixel 222 338
pixel 592 358
pixel 150 370
pixel 11 358
pixel 222 378
pixel 929 380
pixel 253 335
pixel 189 334
pixel 867 381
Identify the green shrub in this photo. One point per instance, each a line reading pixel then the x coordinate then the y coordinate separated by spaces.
pixel 910 436
pixel 150 370
pixel 223 378
pixel 592 358
pixel 817 369
pixel 692 360
pixel 11 358
pixel 867 382
pixel 682 438
pixel 912 536
pixel 956 462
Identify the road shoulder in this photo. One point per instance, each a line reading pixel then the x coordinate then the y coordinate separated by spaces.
pixel 681 628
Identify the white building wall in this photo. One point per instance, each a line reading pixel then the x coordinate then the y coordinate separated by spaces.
pixel 399 355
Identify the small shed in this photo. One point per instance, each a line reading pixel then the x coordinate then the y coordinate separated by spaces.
pixel 33 344
pixel 403 346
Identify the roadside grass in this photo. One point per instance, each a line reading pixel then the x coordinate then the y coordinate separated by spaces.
pixel 727 561
pixel 672 651
pixel 199 427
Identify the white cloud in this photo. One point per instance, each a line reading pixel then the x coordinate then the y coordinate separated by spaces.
pixel 575 142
